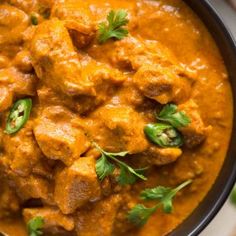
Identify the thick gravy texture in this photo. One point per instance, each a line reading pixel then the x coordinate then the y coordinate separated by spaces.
pixel 84 91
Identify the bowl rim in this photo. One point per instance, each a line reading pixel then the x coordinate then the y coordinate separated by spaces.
pixel 219 192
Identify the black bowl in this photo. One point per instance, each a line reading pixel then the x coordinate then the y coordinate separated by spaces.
pixel 218 194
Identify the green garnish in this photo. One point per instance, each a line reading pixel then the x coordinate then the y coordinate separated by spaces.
pixel 34 19
pixel 35 225
pixel 163 135
pixel 171 115
pixel 140 214
pixel 114 28
pixel 233 196
pixel 18 116
pixel 104 167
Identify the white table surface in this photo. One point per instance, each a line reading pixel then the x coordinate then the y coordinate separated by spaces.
pixel 224 224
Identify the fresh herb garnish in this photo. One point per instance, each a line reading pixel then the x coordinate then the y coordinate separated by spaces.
pixel 114 28
pixel 35 225
pixel 233 196
pixel 140 214
pixel 163 135
pixel 171 115
pixel 104 167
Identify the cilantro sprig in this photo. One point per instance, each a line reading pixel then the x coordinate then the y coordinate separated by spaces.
pixel 114 28
pixel 140 214
pixel 35 225
pixel 104 167
pixel 171 115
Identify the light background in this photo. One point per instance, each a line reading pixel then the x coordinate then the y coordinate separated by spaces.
pixel 224 224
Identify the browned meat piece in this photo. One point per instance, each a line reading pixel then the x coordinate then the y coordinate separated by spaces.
pixel 6 98
pixel 161 156
pixel 56 62
pixel 22 151
pixel 57 137
pixel 117 128
pixel 76 185
pixel 196 132
pixel 18 84
pixel 100 219
pixel 162 84
pixel 30 187
pixel 78 19
pixel 53 218
pixel 13 22
pixel 83 80
pixel 9 203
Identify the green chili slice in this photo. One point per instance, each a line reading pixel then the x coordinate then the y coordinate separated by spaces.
pixel 163 135
pixel 18 116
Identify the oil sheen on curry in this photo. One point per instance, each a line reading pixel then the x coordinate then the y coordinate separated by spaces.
pixel 115 116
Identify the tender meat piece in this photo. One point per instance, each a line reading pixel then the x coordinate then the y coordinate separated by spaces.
pixel 30 187
pixel 61 68
pixel 53 218
pixel 57 137
pixel 100 219
pixel 161 156
pixel 78 20
pixel 196 132
pixel 18 83
pixel 22 150
pixel 162 84
pixel 13 22
pixel 117 128
pixel 9 203
pixel 77 185
pixel 6 98
pixel 56 62
pixel 23 62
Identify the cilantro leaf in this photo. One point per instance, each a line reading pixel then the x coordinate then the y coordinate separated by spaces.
pixel 114 28
pixel 104 167
pixel 140 214
pixel 35 226
pixel 233 196
pixel 170 114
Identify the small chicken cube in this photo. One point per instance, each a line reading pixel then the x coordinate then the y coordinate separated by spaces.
pixel 56 62
pixel 78 20
pixel 118 128
pixel 57 137
pixel 99 220
pixel 76 185
pixel 162 84
pixel 6 98
pixel 162 156
pixel 52 217
pixel 30 187
pixel 196 132
pixel 22 150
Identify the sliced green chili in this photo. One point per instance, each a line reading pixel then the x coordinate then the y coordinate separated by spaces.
pixel 18 116
pixel 163 135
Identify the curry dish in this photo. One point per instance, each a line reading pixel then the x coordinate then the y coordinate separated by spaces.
pixel 115 116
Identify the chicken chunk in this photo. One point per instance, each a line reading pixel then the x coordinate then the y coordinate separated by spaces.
pixel 22 151
pixel 162 84
pixel 30 187
pixel 76 185
pixel 57 137
pixel 161 156
pixel 78 20
pixel 53 218
pixel 100 219
pixel 6 98
pixel 196 132
pixel 118 128
pixel 13 22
